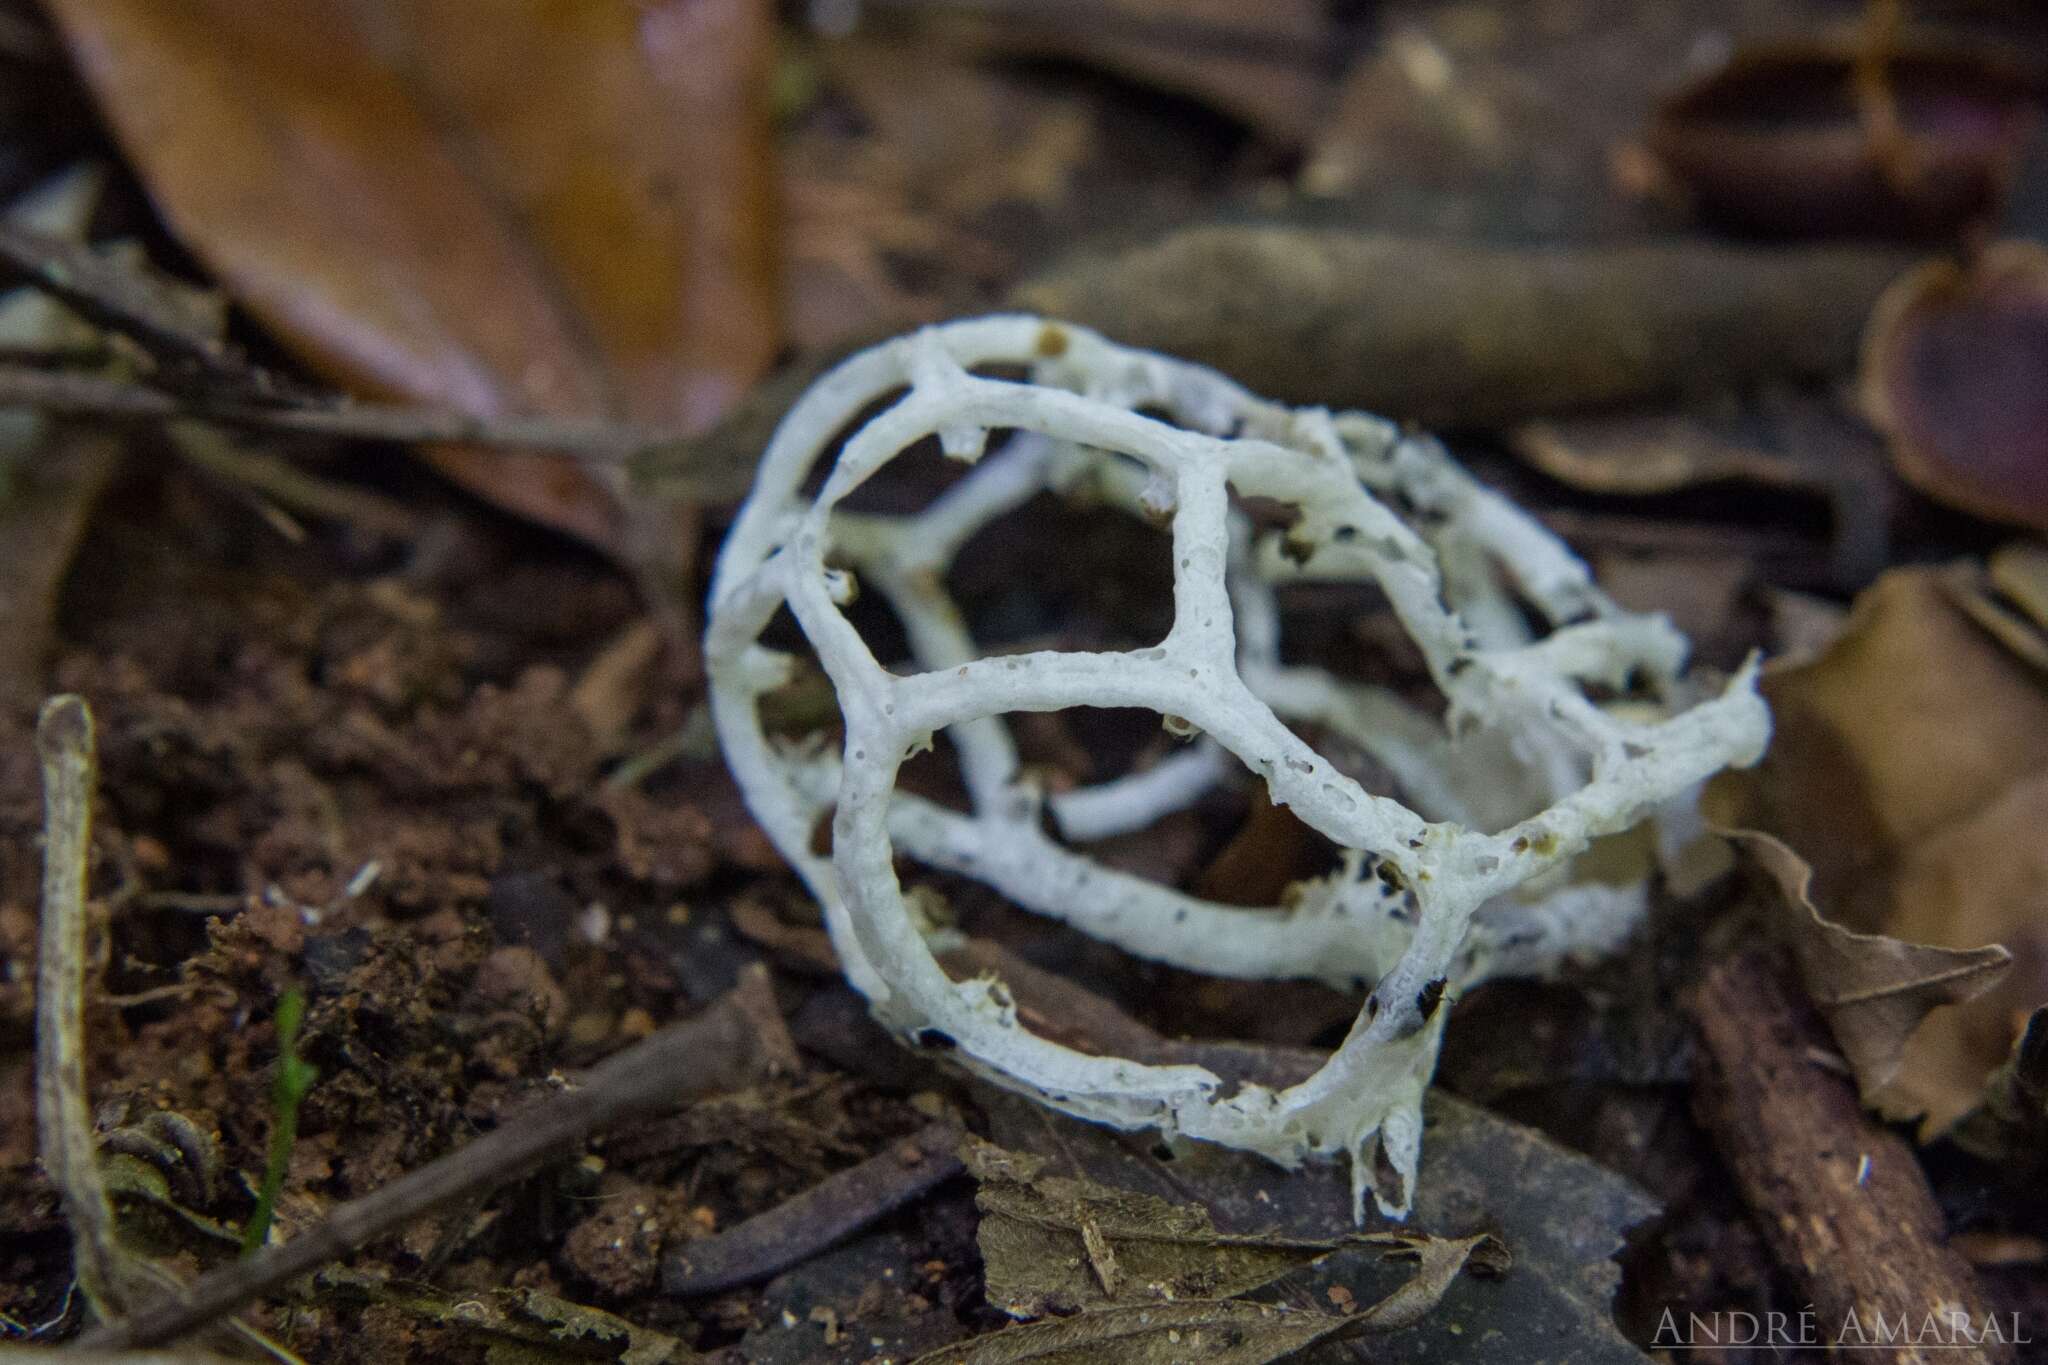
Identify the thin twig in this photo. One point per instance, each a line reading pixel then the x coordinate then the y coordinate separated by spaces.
pixel 110 1277
pixel 41 1355
pixel 173 321
pixel 280 482
pixel 830 1211
pixel 64 742
pixel 736 1038
pixel 84 395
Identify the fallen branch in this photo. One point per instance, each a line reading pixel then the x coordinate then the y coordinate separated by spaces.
pixel 1441 333
pixel 1839 1199
pixel 829 1212
pixel 735 1039
pixel 1454 335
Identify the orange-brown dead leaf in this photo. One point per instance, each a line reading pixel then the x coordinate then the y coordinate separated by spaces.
pixel 512 206
pixel 1873 990
pixel 1910 768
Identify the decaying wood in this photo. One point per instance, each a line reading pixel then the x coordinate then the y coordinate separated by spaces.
pixel 1454 335
pixel 1441 333
pixel 1840 1200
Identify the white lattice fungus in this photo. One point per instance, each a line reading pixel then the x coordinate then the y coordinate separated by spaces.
pixel 1522 770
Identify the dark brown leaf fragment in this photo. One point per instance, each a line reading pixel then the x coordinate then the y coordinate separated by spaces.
pixel 1873 990
pixel 1057 1244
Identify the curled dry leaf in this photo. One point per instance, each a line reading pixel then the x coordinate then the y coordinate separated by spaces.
pixel 1057 1244
pixel 1955 373
pixel 1811 139
pixel 560 211
pixel 1873 990
pixel 1910 768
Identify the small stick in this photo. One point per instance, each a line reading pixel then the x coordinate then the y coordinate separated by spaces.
pixel 91 395
pixel 64 743
pixel 1840 1199
pixel 42 1355
pixel 830 1211
pixel 169 320
pixel 735 1038
pixel 273 479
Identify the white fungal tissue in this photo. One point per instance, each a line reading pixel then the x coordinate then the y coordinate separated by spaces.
pixel 1460 873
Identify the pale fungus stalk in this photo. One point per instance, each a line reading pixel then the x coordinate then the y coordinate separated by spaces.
pixel 1466 881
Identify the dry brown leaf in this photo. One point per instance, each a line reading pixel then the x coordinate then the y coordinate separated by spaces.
pixel 1565 1215
pixel 1057 1244
pixel 1873 990
pixel 1910 768
pixel 1218 1331
pixel 512 207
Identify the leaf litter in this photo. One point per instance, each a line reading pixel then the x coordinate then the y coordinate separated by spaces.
pixel 1121 1275
pixel 1908 772
pixel 610 210
pixel 382 789
pixel 1054 1244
